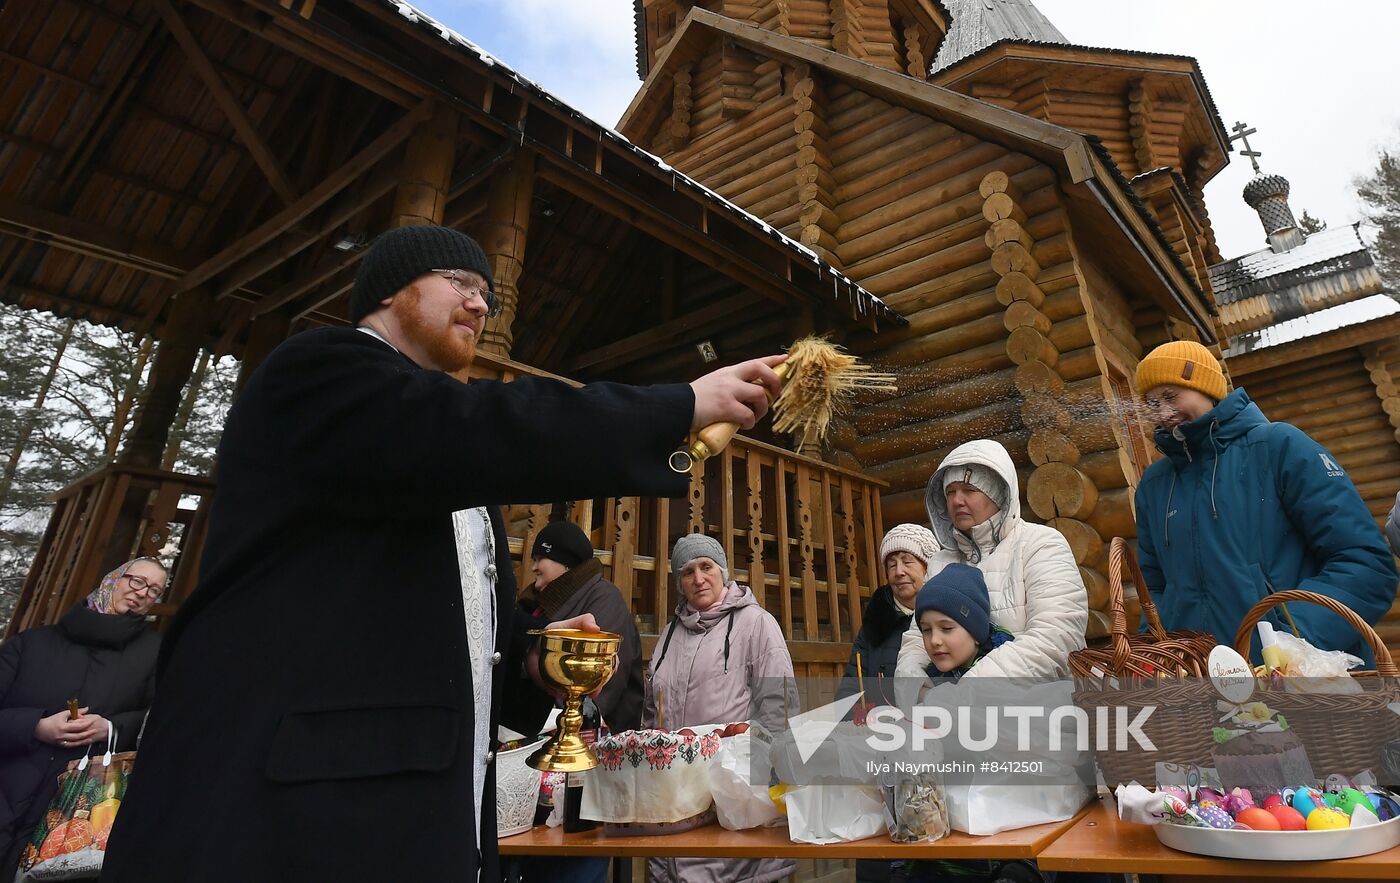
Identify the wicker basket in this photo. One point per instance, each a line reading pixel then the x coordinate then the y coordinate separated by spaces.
pixel 1343 733
pixel 1162 670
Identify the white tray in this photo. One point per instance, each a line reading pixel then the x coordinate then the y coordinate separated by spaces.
pixel 1288 846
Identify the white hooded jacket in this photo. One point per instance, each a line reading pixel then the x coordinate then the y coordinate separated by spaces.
pixel 1032 579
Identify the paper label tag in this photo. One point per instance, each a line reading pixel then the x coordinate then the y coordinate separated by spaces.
pixel 1231 674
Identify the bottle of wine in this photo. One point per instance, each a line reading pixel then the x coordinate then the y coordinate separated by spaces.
pixel 573 790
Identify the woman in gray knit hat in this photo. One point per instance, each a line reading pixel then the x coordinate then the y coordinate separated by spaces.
pixel 721 659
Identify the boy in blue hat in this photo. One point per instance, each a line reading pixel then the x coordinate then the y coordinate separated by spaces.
pixel 955 616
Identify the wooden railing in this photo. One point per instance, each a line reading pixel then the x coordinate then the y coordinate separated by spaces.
pixel 79 545
pixel 803 533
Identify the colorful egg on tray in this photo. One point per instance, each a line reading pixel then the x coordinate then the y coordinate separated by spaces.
pixel 1289 819
pixel 1257 819
pixel 1325 818
pixel 1350 799
pixel 1386 807
pixel 1273 800
pixel 1307 800
pixel 1237 800
pixel 1215 817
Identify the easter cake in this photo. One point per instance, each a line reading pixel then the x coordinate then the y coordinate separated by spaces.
pixel 1259 751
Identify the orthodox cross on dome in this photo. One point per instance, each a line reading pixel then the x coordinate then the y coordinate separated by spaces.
pixel 1242 134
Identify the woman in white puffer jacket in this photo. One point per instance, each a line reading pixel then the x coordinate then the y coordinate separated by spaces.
pixel 974 506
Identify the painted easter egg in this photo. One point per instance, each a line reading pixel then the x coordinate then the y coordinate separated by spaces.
pixel 1215 817
pixel 1289 819
pixel 1325 818
pixel 1237 800
pixel 1257 819
pixel 1350 799
pixel 1306 800
pixel 1386 807
pixel 1272 801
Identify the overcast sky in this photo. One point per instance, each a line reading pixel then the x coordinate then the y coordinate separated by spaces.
pixel 1318 80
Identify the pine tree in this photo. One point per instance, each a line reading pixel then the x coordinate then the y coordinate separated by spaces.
pixel 1310 225
pixel 68 395
pixel 1380 198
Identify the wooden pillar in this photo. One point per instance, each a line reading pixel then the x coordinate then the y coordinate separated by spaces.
pixel 1058 491
pixel 815 184
pixel 421 197
pixel 1384 384
pixel 680 107
pixel 175 355
pixel 264 334
pixel 1140 125
pixel 916 61
pixel 503 237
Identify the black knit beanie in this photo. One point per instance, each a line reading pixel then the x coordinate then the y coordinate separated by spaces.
pixel 563 541
pixel 401 255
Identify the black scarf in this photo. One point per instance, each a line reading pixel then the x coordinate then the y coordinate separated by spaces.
pixel 555 595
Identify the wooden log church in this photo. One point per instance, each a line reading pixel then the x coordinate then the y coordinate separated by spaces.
pixel 1006 220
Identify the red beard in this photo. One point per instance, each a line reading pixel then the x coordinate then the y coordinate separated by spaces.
pixel 443 346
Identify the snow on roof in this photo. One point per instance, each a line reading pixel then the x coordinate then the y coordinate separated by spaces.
pixel 863 299
pixel 1357 312
pixel 1324 253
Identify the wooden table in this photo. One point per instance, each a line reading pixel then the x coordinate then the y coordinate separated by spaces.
pixel 713 841
pixel 1098 842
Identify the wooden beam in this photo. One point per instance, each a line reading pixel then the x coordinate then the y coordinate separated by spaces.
pixel 237 115
pixel 46 72
pixel 346 209
pixel 663 336
pixel 305 205
pixel 303 40
pixel 94 240
pixel 96 313
pixel 650 219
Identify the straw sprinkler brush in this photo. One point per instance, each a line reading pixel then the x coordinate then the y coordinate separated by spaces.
pixel 819 381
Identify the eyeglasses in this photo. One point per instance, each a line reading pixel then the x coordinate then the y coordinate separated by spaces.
pixel 466 291
pixel 142 586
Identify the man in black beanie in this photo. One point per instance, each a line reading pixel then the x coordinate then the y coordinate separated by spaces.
pixel 352 644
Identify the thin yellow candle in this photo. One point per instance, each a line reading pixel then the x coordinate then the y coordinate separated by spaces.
pixel 860 676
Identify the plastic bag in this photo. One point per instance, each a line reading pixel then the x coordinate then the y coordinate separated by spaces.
pixel 1311 670
pixel 741 800
pixel 918 809
pixel 834 813
pixel 71 837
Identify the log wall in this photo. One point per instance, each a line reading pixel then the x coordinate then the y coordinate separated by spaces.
pixel 1349 402
pixel 1015 332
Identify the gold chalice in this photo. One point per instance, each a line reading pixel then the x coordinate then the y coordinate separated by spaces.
pixel 576 663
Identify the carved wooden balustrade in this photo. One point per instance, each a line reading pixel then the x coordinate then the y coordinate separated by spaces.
pixel 803 533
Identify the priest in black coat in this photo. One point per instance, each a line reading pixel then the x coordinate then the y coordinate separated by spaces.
pixel 317 715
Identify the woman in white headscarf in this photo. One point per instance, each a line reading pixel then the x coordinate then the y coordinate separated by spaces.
pixel 974 507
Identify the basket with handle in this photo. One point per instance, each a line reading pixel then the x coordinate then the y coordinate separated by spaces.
pixel 1343 733
pixel 1161 670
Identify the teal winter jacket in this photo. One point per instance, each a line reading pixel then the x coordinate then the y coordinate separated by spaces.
pixel 1241 507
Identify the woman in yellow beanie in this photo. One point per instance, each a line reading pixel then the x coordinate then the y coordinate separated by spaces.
pixel 1241 507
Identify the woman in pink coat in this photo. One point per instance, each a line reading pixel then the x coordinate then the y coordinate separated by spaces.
pixel 721 659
